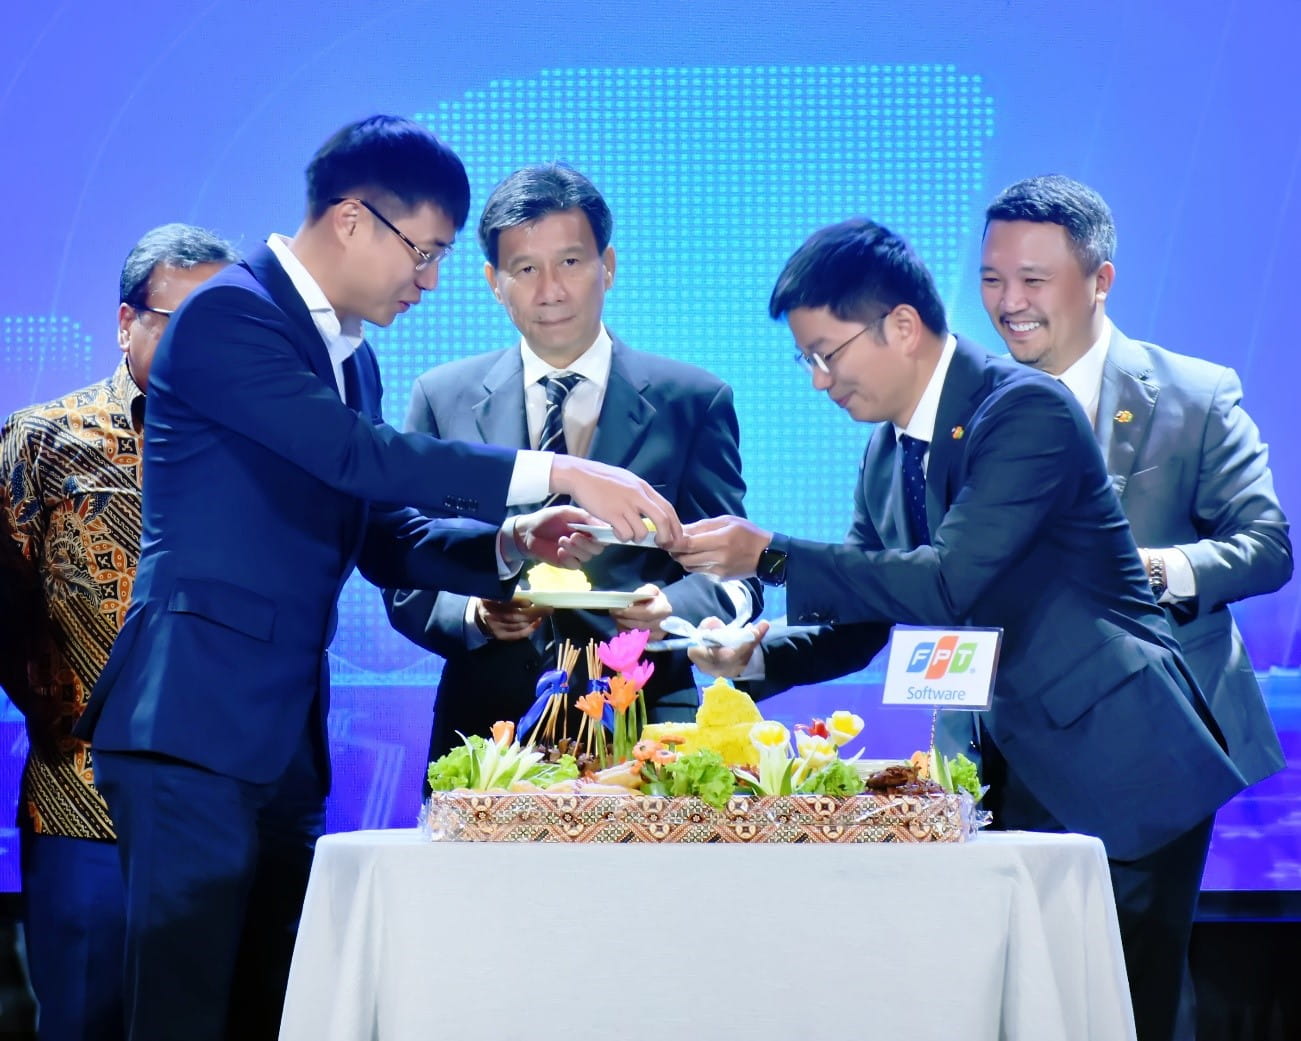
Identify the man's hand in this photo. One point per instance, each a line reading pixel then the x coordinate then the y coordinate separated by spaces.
pixel 619 498
pixel 726 547
pixel 726 661
pixel 645 614
pixel 548 535
pixel 507 619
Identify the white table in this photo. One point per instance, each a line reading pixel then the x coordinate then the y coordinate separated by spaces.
pixel 1011 936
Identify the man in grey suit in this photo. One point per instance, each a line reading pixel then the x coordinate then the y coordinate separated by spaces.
pixel 545 232
pixel 1187 462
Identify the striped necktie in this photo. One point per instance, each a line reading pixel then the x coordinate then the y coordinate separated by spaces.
pixel 553 425
pixel 552 438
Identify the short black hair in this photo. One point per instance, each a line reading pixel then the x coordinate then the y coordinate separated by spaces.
pixel 1055 199
pixel 536 191
pixel 172 245
pixel 388 156
pixel 858 270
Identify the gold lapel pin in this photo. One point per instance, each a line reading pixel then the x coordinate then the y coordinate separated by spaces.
pixel 1124 416
pixel 957 433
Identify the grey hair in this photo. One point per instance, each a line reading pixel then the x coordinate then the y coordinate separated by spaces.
pixel 173 245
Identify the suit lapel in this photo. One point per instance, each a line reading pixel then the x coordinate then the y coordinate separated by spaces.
pixel 963 386
pixel 264 266
pixel 500 414
pixel 625 413
pixel 883 489
pixel 1125 407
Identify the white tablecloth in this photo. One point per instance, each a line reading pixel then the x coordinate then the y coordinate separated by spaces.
pixel 1011 936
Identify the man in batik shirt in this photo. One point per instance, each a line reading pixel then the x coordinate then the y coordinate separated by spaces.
pixel 69 538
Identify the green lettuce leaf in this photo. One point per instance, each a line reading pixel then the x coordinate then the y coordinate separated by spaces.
pixel 455 770
pixel 702 774
pixel 544 774
pixel 962 773
pixel 838 779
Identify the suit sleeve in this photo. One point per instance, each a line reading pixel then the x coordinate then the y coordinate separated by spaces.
pixel 232 358
pixel 1024 458
pixel 430 615
pixel 712 486
pixel 1243 549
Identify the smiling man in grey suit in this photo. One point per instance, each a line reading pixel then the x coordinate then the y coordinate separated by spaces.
pixel 545 232
pixel 1187 462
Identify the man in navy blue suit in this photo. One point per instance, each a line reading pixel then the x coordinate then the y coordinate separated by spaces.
pixel 270 476
pixel 545 234
pixel 1007 519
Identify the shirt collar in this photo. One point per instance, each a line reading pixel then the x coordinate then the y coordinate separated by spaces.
pixel 593 364
pixel 124 388
pixel 340 342
pixel 922 423
pixel 1084 377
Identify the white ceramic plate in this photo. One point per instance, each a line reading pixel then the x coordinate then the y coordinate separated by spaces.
pixel 582 599
pixel 605 535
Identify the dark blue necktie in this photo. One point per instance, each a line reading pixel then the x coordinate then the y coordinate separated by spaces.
pixel 552 438
pixel 914 488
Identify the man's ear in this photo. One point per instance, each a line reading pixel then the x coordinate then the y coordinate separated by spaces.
pixel 1106 277
pixel 906 326
pixel 126 314
pixel 344 219
pixel 607 262
pixel 490 275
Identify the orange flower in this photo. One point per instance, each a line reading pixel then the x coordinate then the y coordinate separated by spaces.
pixel 645 749
pixel 663 756
pixel 592 705
pixel 623 692
pixel 673 739
pixel 503 732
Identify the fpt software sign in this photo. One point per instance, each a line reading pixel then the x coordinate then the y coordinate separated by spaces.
pixel 945 668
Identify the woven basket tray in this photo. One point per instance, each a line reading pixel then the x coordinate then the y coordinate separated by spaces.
pixel 466 816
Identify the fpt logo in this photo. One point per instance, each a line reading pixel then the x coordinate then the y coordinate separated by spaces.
pixel 945 656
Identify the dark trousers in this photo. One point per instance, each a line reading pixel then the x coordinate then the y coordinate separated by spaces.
pixel 215 869
pixel 74 920
pixel 1156 898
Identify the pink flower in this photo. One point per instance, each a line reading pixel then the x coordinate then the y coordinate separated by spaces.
pixel 639 673
pixel 622 651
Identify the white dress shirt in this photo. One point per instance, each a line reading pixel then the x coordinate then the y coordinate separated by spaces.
pixel 922 423
pixel 583 404
pixel 340 342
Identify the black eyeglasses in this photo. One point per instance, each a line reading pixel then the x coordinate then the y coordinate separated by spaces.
pixel 822 362
pixel 155 310
pixel 423 260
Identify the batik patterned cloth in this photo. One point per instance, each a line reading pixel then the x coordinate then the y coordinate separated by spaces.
pixel 69 542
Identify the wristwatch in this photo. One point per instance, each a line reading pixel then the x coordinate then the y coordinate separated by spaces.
pixel 771 569
pixel 1156 575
